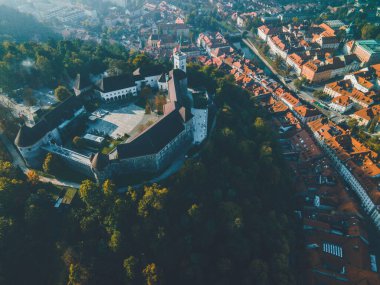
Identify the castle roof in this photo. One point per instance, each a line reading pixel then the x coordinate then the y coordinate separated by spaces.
pixel 155 138
pixel 28 136
pixel 113 83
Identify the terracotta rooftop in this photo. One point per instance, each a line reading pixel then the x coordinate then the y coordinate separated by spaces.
pixel 296 59
pixel 290 99
pixel 343 101
pixel 369 113
pixel 306 112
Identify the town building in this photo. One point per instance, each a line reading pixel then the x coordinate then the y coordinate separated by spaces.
pixel 355 162
pixel 346 88
pixel 177 30
pixel 50 129
pixel 318 71
pixel 242 20
pixel 341 104
pixel 367 115
pixel 306 114
pixel 265 31
pixel 296 61
pixel 179 60
pixel 368 51
pixel 211 41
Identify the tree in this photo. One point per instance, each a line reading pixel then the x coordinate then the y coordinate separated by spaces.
pixel 90 193
pixel 77 275
pixel 194 211
pixel 78 142
pixel 62 93
pixel 114 242
pixel 353 125
pixel 258 271
pixel 160 101
pixel 6 168
pixel 298 83
pixel 266 154
pixel 130 267
pixel 140 60
pixel 151 274
pixel 277 61
pixel 45 66
pixel 33 177
pixel 259 124
pixel 373 124
pixel 320 95
pixel 50 164
pixel 153 199
pixel 146 93
pixel 148 110
pixel 370 31
pixel 109 188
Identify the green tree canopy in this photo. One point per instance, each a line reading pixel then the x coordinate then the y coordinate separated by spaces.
pixel 62 93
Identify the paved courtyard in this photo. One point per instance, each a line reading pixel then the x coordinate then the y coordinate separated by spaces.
pixel 118 122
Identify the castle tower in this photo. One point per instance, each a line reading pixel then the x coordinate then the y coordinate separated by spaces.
pixel 179 60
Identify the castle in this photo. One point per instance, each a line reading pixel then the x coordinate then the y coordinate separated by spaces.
pixel 151 151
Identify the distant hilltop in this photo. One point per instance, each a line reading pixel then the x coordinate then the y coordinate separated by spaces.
pixel 19 27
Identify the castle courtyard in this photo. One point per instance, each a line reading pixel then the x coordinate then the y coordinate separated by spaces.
pixel 119 121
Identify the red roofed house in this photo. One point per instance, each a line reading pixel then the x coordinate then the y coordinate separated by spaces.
pixel 305 114
pixel 264 31
pixel 365 116
pixel 296 62
pixel 341 104
pixel 290 100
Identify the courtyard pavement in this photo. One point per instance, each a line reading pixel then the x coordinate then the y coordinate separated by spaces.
pixel 118 122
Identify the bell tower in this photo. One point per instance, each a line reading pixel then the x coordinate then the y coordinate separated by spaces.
pixel 179 60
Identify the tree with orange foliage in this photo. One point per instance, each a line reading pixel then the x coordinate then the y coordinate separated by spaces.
pixel 33 177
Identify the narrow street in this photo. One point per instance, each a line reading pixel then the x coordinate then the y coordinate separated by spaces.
pixel 304 95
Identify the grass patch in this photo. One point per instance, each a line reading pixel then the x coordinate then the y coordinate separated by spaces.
pixel 69 196
pixel 228 27
pixel 111 144
pixel 44 174
pixel 55 192
pixel 258 43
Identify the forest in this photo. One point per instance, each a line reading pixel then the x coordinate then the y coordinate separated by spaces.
pixel 57 62
pixel 225 218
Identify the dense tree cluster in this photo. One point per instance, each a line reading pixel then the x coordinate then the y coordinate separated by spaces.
pixel 205 20
pixel 57 62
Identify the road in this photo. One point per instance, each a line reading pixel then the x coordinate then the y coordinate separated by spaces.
pixel 19 162
pixel 304 95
